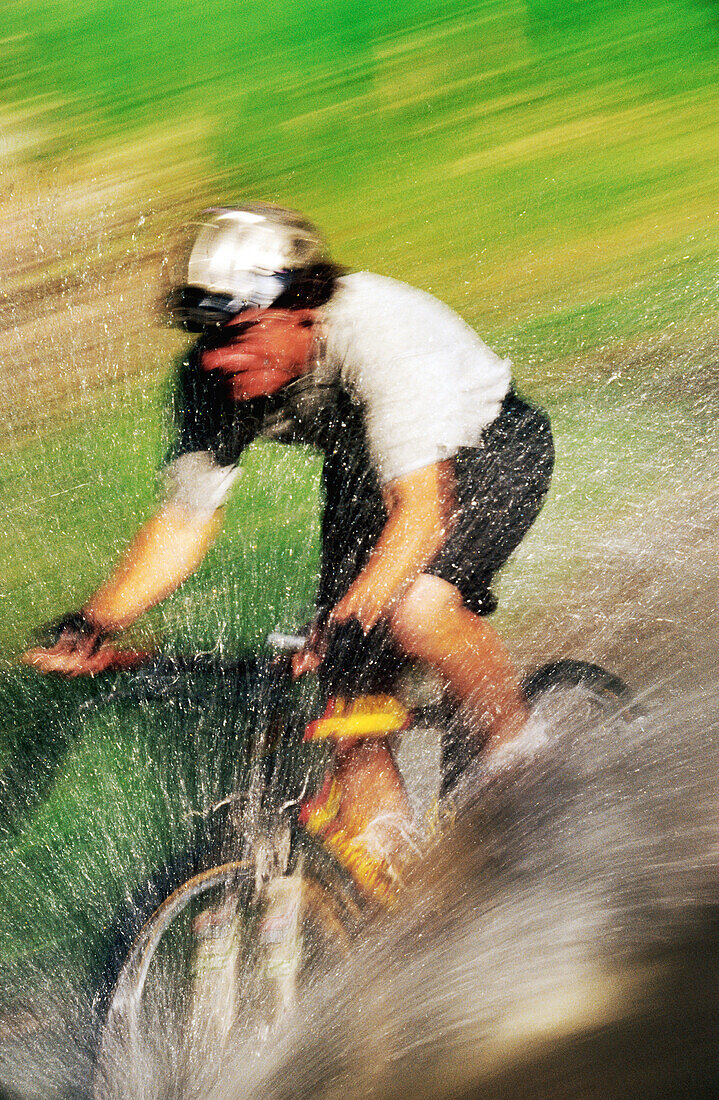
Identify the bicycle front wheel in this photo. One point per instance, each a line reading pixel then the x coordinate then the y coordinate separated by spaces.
pixel 221 959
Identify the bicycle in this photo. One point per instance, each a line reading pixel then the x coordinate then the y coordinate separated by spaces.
pixel 226 938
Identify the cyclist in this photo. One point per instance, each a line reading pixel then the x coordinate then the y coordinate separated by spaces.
pixel 434 469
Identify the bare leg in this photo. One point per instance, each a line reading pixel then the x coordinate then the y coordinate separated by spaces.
pixel 371 785
pixel 432 624
pixel 363 817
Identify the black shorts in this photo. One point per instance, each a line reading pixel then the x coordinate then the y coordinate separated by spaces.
pixel 501 485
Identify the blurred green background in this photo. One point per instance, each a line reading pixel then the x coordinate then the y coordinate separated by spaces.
pixel 547 167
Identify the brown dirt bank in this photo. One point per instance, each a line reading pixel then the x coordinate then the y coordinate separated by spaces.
pixel 82 250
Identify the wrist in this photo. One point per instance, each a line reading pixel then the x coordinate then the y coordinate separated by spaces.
pixel 77 630
pixel 98 622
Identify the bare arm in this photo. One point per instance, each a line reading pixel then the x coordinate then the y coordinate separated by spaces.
pixel 419 507
pixel 163 554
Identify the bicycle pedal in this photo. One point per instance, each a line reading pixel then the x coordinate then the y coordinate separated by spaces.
pixel 317 812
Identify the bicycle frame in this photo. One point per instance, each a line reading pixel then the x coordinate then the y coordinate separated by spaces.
pixel 259 867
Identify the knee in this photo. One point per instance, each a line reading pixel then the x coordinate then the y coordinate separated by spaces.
pixel 421 621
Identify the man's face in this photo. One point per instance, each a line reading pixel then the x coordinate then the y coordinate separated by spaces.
pixel 266 349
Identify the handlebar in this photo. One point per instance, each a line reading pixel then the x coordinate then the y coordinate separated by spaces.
pixel 164 677
pixel 286 643
pixel 352 663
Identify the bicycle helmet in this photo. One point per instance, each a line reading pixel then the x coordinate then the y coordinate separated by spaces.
pixel 241 258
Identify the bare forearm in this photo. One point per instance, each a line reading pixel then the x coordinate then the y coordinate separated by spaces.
pixel 163 554
pixel 418 508
pixel 407 544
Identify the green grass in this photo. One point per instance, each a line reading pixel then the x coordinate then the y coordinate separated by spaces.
pixel 548 167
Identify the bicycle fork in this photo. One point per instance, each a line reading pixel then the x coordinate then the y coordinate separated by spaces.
pixel 246 959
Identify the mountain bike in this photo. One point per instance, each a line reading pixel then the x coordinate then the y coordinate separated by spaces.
pixel 226 939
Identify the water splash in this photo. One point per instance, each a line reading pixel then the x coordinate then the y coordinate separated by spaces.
pixel 564 940
pixel 566 927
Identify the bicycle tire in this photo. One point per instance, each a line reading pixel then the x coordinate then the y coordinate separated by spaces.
pixel 609 693
pixel 162 910
pixel 600 695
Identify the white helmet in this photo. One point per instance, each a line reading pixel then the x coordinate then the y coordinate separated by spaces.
pixel 242 257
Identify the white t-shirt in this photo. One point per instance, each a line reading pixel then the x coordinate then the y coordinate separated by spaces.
pixel 426 385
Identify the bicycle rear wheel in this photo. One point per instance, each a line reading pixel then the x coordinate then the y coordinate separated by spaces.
pixel 586 691
pixel 596 693
pixel 218 960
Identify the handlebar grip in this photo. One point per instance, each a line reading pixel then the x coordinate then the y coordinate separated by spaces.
pixel 286 643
